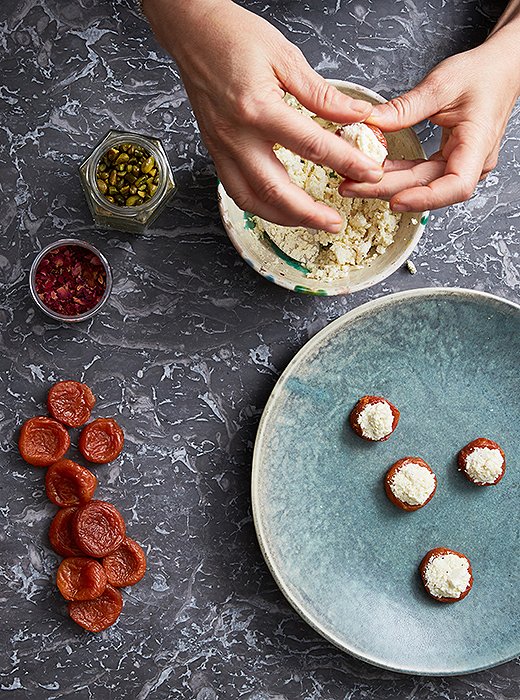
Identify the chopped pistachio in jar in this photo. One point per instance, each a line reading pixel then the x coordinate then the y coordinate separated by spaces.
pixel 127 175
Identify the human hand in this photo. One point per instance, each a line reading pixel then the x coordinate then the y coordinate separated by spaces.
pixel 471 96
pixel 236 68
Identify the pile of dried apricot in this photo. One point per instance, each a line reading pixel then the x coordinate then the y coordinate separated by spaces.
pixel 89 533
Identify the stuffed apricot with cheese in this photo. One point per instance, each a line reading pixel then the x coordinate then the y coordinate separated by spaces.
pixel 446 575
pixel 482 461
pixel 374 418
pixel 410 483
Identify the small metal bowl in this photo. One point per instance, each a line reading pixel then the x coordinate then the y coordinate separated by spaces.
pixel 62 317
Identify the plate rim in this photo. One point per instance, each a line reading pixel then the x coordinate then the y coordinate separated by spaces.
pixel 308 347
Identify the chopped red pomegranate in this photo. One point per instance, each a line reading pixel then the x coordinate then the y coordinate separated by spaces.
pixel 70 280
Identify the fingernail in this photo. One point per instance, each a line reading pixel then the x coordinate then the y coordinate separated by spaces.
pixel 397 206
pixel 375 174
pixel 377 112
pixel 361 106
pixel 335 226
pixel 345 192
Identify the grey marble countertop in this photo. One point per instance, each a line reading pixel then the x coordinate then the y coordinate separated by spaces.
pixel 186 353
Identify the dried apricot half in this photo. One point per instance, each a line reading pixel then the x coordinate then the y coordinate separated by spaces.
pixel 101 441
pixel 71 403
pixel 99 528
pixel 81 578
pixel 125 566
pixel 43 441
pixel 69 484
pixel 98 614
pixel 61 535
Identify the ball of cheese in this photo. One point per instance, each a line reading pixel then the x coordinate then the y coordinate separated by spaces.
pixel 369 140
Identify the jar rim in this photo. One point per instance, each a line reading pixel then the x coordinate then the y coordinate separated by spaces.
pixel 86 315
pixel 110 139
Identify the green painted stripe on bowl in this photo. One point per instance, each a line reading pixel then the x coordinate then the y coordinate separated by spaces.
pixel 249 222
pixel 314 292
pixel 286 258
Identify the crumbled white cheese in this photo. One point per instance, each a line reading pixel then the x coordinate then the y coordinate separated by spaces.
pixel 298 243
pixel 484 465
pixel 411 267
pixel 362 136
pixel 414 221
pixel 369 225
pixel 412 483
pixel 376 420
pixel 447 575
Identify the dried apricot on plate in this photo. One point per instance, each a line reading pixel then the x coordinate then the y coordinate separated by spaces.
pixel 99 528
pixel 61 535
pixel 70 402
pixel 125 566
pixel 101 441
pixel 43 441
pixel 69 484
pixel 98 614
pixel 81 578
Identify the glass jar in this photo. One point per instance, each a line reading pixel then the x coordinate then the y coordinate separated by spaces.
pixel 134 219
pixel 63 243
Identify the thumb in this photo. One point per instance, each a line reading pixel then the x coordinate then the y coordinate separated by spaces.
pixel 407 110
pixel 322 98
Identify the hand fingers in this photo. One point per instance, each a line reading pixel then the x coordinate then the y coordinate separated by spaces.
pixel 315 93
pixel 446 133
pixel 395 181
pixel 409 109
pixel 463 169
pixel 262 187
pixel 311 141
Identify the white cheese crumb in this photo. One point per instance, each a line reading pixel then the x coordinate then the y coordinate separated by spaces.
pixel 447 575
pixel 362 137
pixel 376 420
pixel 411 267
pixel 368 229
pixel 484 465
pixel 298 243
pixel 414 221
pixel 412 483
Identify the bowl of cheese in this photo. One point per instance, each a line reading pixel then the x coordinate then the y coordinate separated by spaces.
pixel 373 242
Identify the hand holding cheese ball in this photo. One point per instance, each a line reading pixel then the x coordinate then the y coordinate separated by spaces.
pixel 236 68
pixel 471 96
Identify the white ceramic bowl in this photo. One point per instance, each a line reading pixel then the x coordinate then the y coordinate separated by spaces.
pixel 266 260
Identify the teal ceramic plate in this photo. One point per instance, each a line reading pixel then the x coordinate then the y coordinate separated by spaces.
pixel 342 554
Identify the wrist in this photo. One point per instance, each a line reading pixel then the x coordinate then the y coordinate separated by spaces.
pixel 177 23
pixel 501 50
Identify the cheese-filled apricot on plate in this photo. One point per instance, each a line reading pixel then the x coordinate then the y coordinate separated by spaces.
pixel 70 402
pixel 69 484
pixel 101 441
pixel 446 575
pixel 482 461
pixel 374 418
pixel 410 483
pixel 43 441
